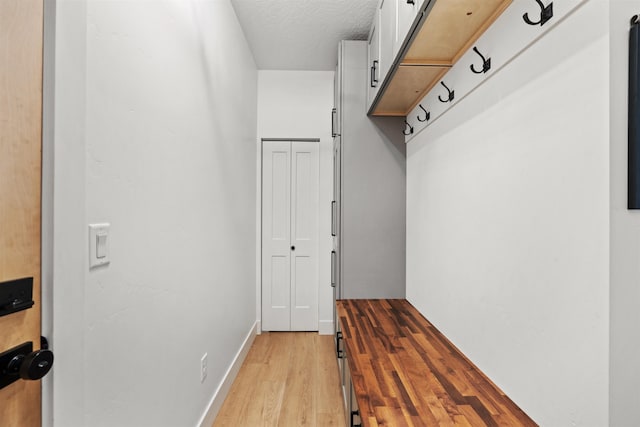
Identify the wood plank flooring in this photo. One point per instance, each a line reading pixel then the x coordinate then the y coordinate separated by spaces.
pixel 288 379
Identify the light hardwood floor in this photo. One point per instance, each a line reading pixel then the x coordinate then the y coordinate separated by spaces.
pixel 288 379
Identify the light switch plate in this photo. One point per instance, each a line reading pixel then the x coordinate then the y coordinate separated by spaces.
pixel 98 244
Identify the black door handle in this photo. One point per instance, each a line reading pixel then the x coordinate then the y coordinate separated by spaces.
pixel 33 366
pixel 23 362
pixel 293 248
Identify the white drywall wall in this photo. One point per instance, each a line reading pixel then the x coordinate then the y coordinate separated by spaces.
pixel 625 234
pixel 297 104
pixel 166 154
pixel 508 221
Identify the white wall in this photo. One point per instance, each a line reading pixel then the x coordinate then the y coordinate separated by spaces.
pixel 166 154
pixel 508 220
pixel 297 104
pixel 625 234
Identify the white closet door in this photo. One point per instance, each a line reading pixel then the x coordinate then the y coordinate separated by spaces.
pixel 276 236
pixel 290 185
pixel 304 236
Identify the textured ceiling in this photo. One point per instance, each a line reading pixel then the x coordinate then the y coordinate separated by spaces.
pixel 302 34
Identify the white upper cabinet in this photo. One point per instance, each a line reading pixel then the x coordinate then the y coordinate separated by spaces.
pixel 373 56
pixel 444 31
pixel 388 34
pixel 406 12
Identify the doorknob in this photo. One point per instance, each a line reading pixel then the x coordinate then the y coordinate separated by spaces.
pixel 293 248
pixel 23 362
pixel 33 366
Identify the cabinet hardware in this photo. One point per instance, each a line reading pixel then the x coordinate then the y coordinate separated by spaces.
pixel 333 269
pixel 374 74
pixel 411 2
pixel 339 352
pixel 427 115
pixel 486 63
pixel 546 13
pixel 450 97
pixel 333 218
pixel 334 113
pixel 633 142
pixel 353 415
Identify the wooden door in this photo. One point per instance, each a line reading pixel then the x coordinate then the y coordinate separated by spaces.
pixel 21 23
pixel 290 184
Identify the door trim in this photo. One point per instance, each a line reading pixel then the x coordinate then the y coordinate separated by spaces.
pixel 48 166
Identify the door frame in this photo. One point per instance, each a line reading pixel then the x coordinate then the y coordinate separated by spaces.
pixel 48 166
pixel 260 153
pixel 64 235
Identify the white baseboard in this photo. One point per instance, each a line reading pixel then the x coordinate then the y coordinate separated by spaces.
pixel 325 327
pixel 221 393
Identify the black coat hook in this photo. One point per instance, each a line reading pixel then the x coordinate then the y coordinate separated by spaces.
pixel 405 129
pixel 427 115
pixel 546 13
pixel 486 63
pixel 451 94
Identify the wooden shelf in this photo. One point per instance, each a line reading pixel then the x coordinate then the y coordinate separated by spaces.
pixel 409 85
pixel 405 372
pixel 443 32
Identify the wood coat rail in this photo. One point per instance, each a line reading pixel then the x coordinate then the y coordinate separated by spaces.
pixel 406 373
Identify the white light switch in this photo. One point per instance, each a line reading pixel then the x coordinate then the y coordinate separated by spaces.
pixel 101 245
pixel 98 244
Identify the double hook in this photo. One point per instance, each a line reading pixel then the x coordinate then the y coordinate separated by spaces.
pixel 427 115
pixel 451 94
pixel 546 13
pixel 486 63
pixel 410 132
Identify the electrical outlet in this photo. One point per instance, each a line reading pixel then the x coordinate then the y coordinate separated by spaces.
pixel 203 368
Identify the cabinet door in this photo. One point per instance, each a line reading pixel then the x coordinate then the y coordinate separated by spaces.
pixel 388 20
pixel 354 410
pixel 346 391
pixel 374 59
pixel 336 113
pixel 337 217
pixel 406 11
